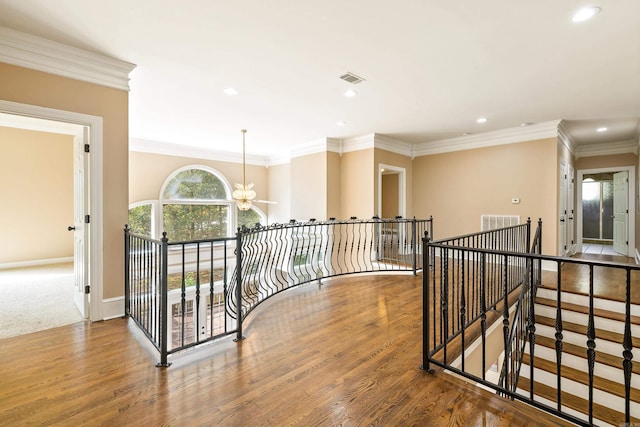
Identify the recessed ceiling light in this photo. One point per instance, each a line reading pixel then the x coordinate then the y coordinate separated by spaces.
pixel 602 129
pixel 481 120
pixel 585 13
pixel 341 123
pixel 230 91
pixel 350 93
pixel 525 124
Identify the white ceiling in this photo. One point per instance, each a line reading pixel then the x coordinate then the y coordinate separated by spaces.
pixel 431 67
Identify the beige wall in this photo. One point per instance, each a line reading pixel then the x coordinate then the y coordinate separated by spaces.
pixel 334 183
pixel 601 162
pixel 37 88
pixel 390 205
pixel 36 182
pixel 458 187
pixel 309 187
pixel 357 174
pixel 279 178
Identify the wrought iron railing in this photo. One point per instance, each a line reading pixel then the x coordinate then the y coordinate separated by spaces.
pixel 182 294
pixel 472 274
pixel 523 328
pixel 463 281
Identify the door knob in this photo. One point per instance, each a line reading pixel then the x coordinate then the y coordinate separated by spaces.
pixel 70 228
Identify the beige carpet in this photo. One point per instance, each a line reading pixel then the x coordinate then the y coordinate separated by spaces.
pixel 36 298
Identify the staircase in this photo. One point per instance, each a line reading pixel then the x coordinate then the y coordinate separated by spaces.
pixel 608 381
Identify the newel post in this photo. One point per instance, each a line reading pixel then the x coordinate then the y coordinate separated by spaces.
pixel 426 273
pixel 164 314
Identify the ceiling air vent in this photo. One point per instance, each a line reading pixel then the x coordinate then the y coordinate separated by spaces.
pixel 352 78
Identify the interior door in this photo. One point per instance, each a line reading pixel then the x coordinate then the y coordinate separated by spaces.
pixel 621 212
pixel 562 228
pixel 570 213
pixel 80 225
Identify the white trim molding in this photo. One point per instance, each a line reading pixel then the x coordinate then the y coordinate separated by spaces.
pixel 488 139
pixel 607 149
pixel 169 149
pixel 35 263
pixel 37 53
pixel 112 308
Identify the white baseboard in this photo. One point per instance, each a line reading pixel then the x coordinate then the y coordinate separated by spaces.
pixel 112 308
pixel 637 257
pixel 35 263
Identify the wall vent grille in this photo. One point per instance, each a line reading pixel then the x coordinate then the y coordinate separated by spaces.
pixel 491 222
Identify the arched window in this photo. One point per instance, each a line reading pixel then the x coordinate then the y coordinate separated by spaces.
pixel 195 203
pixel 142 218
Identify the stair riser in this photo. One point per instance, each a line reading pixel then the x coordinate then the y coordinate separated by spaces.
pixel 577 389
pixel 583 319
pixel 602 345
pixel 566 410
pixel 615 306
pixel 600 370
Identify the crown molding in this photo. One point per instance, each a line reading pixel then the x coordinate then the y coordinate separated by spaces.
pixel 37 53
pixel 321 145
pixel 166 148
pixel 393 145
pixel 607 149
pixel 489 139
pixel 565 138
pixel 357 143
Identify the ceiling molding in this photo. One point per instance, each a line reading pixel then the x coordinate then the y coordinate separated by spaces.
pixel 565 138
pixel 489 139
pixel 166 148
pixel 321 145
pixel 51 57
pixel 357 143
pixel 607 149
pixel 393 145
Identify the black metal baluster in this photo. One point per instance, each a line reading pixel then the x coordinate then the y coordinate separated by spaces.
pixel 483 311
pixel 591 344
pixel 627 344
pixel 559 336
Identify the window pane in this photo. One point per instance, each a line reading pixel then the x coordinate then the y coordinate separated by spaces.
pixel 248 218
pixel 195 184
pixel 140 220
pixel 194 222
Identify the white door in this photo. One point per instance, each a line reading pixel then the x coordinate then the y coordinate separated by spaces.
pixel 80 224
pixel 621 212
pixel 571 245
pixel 562 228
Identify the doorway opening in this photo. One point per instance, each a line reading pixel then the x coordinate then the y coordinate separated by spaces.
pixel 605 214
pixel 86 133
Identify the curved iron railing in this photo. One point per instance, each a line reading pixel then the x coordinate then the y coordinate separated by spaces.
pixel 281 256
pixel 182 294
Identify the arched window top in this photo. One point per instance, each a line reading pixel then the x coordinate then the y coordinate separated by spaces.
pixel 195 183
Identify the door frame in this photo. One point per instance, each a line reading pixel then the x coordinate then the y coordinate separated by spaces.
pixel 78 122
pixel 631 248
pixel 402 188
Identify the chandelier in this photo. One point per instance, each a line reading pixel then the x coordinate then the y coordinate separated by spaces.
pixel 243 194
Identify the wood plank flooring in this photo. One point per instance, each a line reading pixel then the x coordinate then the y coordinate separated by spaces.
pixel 346 353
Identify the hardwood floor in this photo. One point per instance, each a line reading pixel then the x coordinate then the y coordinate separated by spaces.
pixel 343 354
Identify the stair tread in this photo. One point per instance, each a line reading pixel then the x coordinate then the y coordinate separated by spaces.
pixel 600 412
pixel 581 329
pixel 599 312
pixel 581 351
pixel 582 377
